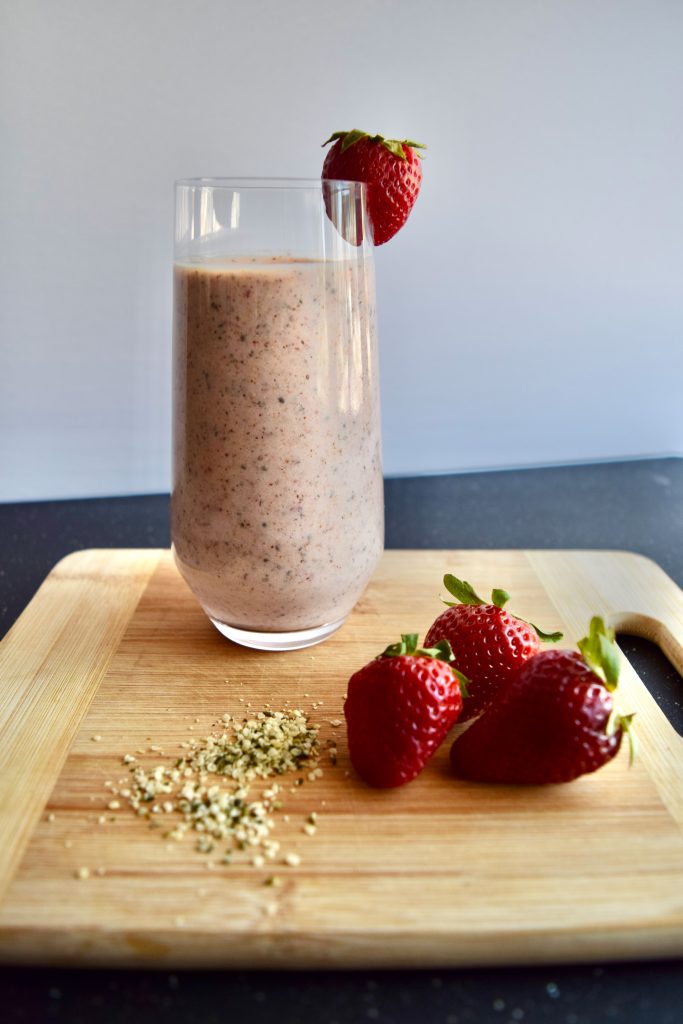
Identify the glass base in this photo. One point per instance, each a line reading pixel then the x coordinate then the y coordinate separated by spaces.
pixel 293 641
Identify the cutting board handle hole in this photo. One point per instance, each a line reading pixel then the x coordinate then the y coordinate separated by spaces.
pixel 658 672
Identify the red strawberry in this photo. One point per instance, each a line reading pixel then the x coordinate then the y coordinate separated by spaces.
pixel 554 721
pixel 488 643
pixel 398 710
pixel 391 170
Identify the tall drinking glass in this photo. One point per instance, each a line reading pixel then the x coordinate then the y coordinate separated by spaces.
pixel 277 507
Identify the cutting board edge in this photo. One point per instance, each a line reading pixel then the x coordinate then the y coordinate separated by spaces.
pixel 325 950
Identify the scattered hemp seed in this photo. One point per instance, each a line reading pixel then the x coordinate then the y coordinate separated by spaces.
pixel 293 860
pixel 129 759
pixel 208 790
pixel 310 830
pixel 335 722
pixel 113 805
pixel 50 817
pixel 96 738
pixel 274 881
pixel 83 873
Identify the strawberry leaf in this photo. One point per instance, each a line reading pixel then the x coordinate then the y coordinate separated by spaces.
pixel 411 641
pixel 625 723
pixel 463 682
pixel 441 650
pixel 408 645
pixel 610 660
pixel 395 147
pixel 351 137
pixel 333 138
pixel 549 638
pixel 465 594
pixel 461 589
pixel 600 652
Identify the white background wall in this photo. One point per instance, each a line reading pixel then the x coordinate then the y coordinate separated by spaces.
pixel 531 311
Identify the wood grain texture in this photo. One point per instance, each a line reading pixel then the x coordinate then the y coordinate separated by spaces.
pixel 51 664
pixel 436 873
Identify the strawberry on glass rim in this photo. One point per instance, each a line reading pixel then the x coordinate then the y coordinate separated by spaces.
pixel 391 170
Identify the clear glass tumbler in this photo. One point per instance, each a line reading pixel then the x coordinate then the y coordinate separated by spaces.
pixel 277 505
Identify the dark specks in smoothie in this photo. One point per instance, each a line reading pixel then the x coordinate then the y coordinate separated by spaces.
pixel 320 458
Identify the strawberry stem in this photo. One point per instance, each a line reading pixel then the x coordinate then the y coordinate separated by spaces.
pixel 441 651
pixel 394 146
pixel 465 593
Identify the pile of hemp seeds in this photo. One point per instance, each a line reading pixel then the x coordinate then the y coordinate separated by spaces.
pixel 208 791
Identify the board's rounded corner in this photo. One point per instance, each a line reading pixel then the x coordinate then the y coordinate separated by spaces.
pixel 67 563
pixel 638 558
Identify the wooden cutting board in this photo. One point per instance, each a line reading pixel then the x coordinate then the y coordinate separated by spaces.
pixel 438 872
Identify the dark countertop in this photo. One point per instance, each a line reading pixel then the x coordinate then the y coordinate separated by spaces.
pixel 630 505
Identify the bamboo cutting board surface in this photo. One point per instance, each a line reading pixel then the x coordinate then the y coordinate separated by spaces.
pixel 436 873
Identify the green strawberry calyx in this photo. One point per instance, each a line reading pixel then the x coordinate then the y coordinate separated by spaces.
pixel 441 651
pixel 464 593
pixel 394 146
pixel 601 654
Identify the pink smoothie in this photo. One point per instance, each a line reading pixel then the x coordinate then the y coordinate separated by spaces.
pixel 277 499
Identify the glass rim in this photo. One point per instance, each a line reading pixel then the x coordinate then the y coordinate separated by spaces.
pixel 271 184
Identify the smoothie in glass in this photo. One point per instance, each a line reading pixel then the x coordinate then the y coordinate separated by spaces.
pixel 277 510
